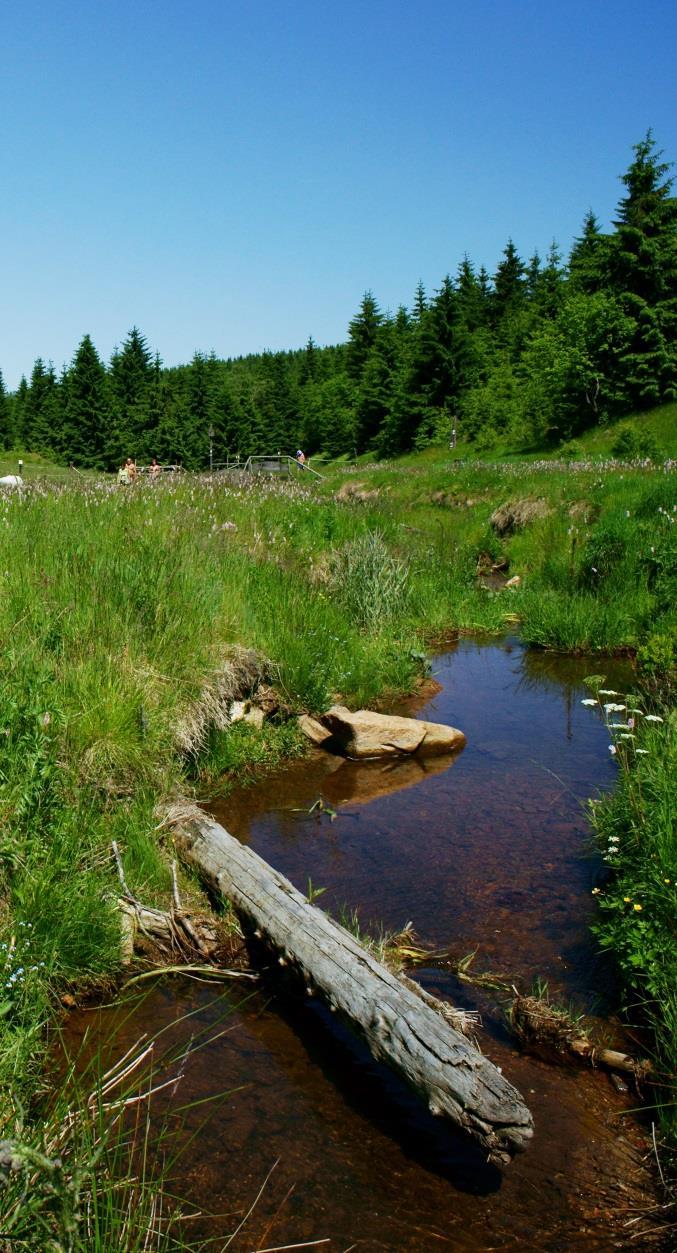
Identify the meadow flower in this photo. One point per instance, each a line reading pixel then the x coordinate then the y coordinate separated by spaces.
pixel 596 891
pixel 588 702
pixel 653 718
pixel 643 751
pixel 612 708
pixel 612 749
pixel 637 909
pixel 607 691
pixel 627 899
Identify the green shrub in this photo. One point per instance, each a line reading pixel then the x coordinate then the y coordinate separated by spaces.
pixel 657 655
pixel 632 444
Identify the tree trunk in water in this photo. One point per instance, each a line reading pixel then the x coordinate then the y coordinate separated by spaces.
pixel 401 1029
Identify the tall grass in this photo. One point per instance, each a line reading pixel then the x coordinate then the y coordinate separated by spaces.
pixel 92 1169
pixel 636 829
pixel 117 608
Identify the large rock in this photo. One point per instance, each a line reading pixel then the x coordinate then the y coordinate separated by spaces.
pixel 367 734
pixel 313 730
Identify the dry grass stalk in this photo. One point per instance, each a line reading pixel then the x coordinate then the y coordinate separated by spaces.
pixel 536 1021
pixel 239 675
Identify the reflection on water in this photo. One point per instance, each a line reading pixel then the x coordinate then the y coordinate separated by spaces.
pixel 494 852
pixel 488 850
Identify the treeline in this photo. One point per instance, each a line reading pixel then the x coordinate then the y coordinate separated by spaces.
pixel 536 353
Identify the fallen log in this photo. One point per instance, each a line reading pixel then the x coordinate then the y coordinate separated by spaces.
pixel 400 1028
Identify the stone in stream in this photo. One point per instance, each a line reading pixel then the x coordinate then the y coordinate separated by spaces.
pixel 364 733
pixel 313 730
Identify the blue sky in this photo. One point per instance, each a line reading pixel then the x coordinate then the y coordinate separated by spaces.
pixel 234 175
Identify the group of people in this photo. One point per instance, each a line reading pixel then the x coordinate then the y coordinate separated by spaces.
pixel 128 472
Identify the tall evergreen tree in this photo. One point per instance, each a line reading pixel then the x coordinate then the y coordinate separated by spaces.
pixel 43 416
pixel 131 377
pixel 87 416
pixel 547 285
pixel 310 363
pixel 420 302
pixel 473 301
pixel 278 404
pixel 589 257
pixel 362 334
pixel 374 391
pixel 6 425
pixel 509 285
pixel 19 405
pixel 643 274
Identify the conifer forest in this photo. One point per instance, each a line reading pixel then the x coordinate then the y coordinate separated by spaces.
pixel 534 353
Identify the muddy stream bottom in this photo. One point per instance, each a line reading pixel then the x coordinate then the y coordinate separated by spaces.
pixel 488 850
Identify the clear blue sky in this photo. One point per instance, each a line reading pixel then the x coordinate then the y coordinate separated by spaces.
pixel 234 174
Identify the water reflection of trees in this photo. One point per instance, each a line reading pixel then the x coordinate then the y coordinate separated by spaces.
pixel 542 669
pixel 545 671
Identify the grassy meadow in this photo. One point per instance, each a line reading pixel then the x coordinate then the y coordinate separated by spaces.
pixel 119 607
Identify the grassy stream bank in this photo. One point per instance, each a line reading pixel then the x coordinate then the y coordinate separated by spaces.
pixel 119 608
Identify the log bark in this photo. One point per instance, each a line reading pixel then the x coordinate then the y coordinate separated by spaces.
pixel 400 1028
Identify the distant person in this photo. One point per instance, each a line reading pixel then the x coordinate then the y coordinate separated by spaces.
pixel 300 457
pixel 154 469
pixel 123 475
pixel 130 467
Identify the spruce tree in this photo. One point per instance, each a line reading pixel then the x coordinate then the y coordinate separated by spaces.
pixel 643 274
pixel 362 333
pixel 43 416
pixel 6 426
pixel 420 302
pixel 374 394
pixel 131 378
pixel 589 257
pixel 19 405
pixel 510 287
pixel 87 416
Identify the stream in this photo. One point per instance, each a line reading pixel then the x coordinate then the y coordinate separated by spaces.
pixel 486 851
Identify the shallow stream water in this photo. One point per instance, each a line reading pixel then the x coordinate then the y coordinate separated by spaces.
pixel 488 850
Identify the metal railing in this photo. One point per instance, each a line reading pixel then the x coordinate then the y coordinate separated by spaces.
pixel 267 463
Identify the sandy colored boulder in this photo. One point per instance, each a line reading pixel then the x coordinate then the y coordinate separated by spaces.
pixel 313 730
pixel 364 733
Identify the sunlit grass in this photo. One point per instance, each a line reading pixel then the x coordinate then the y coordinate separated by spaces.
pixel 118 606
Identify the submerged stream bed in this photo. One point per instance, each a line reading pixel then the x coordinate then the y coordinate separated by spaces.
pixel 486 851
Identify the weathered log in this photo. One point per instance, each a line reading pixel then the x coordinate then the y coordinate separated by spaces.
pixel 401 1029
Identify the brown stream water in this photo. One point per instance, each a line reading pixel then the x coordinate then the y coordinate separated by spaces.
pixel 489 850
